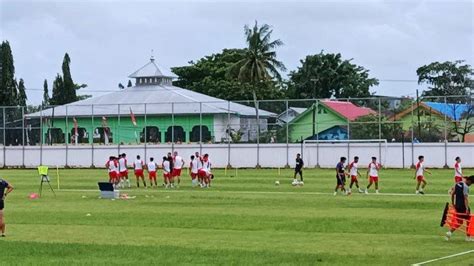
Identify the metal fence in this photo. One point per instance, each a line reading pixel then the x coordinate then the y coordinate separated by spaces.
pixel 426 119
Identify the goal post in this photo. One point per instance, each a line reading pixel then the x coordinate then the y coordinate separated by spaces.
pixel 316 152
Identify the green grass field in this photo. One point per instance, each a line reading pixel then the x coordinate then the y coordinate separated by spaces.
pixel 243 219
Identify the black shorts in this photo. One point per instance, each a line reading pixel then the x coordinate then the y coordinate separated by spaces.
pixel 2 204
pixel 341 181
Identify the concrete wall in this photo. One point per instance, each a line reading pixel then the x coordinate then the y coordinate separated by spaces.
pixel 243 155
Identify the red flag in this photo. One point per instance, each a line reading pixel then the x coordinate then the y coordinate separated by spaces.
pixel 132 117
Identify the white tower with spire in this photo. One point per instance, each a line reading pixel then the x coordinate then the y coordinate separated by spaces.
pixel 151 74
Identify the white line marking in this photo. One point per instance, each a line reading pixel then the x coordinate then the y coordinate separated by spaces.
pixel 257 192
pixel 443 258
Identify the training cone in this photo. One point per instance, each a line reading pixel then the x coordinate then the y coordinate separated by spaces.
pixel 470 228
pixel 33 196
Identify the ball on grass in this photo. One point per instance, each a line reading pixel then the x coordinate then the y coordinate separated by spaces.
pixel 88 214
pixel 277 183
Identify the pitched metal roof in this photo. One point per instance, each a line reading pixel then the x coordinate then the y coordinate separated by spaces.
pixel 151 69
pixel 348 109
pixel 156 99
pixel 454 111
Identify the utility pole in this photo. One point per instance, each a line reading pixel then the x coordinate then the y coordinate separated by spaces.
pixel 418 113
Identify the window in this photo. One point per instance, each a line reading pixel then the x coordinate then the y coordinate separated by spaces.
pixel 194 134
pixel 54 135
pixel 102 135
pixel 82 135
pixel 153 134
pixel 175 134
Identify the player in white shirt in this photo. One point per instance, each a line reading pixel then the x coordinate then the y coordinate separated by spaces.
pixel 151 167
pixel 354 173
pixel 123 170
pixel 205 171
pixel 112 167
pixel 138 166
pixel 458 170
pixel 194 168
pixel 166 165
pixel 178 163
pixel 373 175
pixel 420 175
pixel 198 159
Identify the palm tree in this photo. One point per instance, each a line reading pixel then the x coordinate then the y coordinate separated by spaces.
pixel 259 63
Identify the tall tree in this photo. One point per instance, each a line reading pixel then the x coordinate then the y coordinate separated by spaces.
pixel 8 86
pixel 45 94
pixel 209 75
pixel 21 100
pixel 260 60
pixel 129 83
pixel 69 86
pixel 328 75
pixel 58 97
pixel 446 78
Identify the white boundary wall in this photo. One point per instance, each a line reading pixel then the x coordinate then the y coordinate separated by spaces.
pixel 243 155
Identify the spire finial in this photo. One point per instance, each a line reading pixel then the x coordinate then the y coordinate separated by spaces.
pixel 152 58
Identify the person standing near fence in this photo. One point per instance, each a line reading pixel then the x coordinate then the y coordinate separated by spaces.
pixel 457 170
pixel 373 175
pixel 138 166
pixel 420 175
pixel 4 185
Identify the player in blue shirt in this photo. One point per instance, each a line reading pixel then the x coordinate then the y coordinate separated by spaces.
pixel 5 189
pixel 340 176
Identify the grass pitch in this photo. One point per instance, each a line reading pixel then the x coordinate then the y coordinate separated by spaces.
pixel 242 219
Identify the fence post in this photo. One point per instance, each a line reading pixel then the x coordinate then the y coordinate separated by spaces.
pixel 287 138
pixel 317 135
pixel 4 139
pixel 258 135
pixel 145 135
pixel 172 127
pixel 23 137
pixel 348 136
pixel 228 135
pixel 118 128
pixel 92 136
pixel 412 137
pixel 200 128
pixel 445 138
pixel 41 135
pixel 380 130
pixel 66 139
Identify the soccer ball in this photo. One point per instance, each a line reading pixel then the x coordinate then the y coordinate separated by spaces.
pixel 301 183
pixel 277 183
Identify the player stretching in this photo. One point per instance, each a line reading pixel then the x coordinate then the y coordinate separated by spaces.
pixel 3 185
pixel 166 165
pixel 112 165
pixel 151 167
pixel 340 176
pixel 178 163
pixel 457 170
pixel 199 166
pixel 373 175
pixel 205 171
pixel 460 200
pixel 123 170
pixel 193 166
pixel 138 167
pixel 298 170
pixel 354 172
pixel 419 175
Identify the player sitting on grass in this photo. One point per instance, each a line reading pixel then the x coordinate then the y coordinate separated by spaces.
pixel 112 166
pixel 373 175
pixel 138 166
pixel 166 165
pixel 457 170
pixel 123 170
pixel 3 185
pixel 298 170
pixel 340 176
pixel 354 173
pixel 460 201
pixel 193 166
pixel 151 167
pixel 178 163
pixel 419 175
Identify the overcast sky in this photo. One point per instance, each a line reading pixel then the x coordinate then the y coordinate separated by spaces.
pixel 109 40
